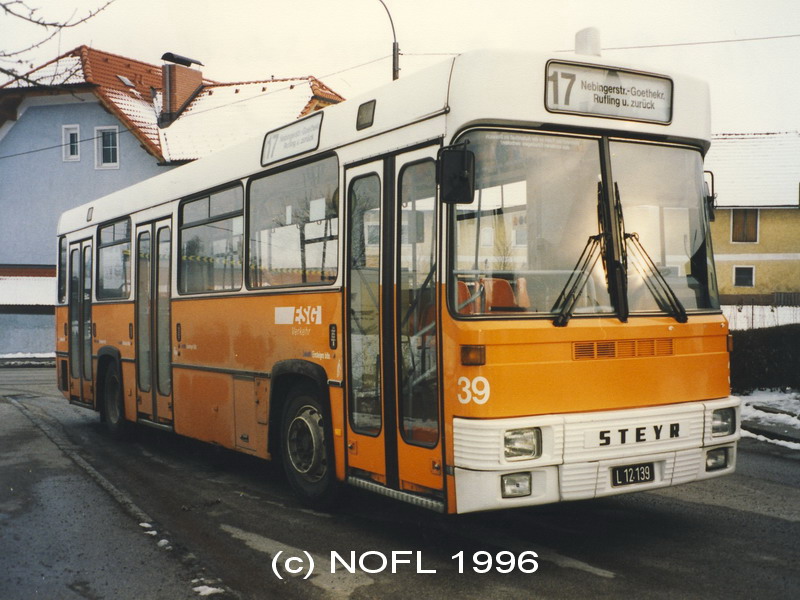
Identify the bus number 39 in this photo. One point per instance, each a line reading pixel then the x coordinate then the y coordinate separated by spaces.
pixel 475 390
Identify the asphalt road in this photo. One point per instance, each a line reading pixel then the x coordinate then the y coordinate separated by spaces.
pixel 231 526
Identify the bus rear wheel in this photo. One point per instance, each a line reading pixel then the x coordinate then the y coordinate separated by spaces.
pixel 307 448
pixel 113 403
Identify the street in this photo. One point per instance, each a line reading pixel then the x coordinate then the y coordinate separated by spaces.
pixel 227 526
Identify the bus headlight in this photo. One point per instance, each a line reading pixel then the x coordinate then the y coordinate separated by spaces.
pixel 723 422
pixel 521 444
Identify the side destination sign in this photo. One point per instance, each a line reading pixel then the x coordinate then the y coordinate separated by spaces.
pixel 603 92
pixel 291 140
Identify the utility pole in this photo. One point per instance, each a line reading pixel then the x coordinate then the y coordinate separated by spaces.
pixel 395 46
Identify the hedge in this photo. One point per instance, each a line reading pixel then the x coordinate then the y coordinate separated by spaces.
pixel 767 358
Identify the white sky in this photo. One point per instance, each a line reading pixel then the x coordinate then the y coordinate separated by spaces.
pixel 755 85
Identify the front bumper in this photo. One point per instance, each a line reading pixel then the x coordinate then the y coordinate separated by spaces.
pixel 579 452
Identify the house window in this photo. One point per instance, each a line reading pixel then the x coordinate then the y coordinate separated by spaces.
pixel 70 143
pixel 744 276
pixel 106 148
pixel 744 227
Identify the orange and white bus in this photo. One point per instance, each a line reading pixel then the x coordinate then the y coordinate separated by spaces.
pixel 488 284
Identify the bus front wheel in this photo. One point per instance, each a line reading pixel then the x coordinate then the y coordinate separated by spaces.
pixel 307 448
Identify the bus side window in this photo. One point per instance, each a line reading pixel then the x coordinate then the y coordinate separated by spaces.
pixel 114 261
pixel 211 242
pixel 293 226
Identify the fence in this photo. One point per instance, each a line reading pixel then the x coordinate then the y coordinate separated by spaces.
pixel 754 316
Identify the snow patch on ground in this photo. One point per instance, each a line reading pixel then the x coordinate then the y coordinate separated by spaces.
pixel 205 590
pixel 762 438
pixel 772 407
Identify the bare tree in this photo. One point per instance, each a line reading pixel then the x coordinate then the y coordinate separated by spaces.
pixel 12 60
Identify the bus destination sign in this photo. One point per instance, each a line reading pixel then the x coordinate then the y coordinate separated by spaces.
pixel 612 93
pixel 293 139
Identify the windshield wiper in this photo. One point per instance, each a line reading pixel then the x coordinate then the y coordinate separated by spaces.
pixel 568 298
pixel 596 246
pixel 664 295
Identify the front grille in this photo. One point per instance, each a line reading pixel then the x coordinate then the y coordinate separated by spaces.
pixel 622 349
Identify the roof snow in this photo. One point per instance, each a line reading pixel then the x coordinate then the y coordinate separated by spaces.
pixel 756 169
pixel 65 70
pixel 224 114
pixel 221 114
pixel 27 291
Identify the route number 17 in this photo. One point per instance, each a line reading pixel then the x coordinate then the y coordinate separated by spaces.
pixel 554 78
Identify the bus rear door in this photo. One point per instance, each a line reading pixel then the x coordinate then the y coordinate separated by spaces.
pixel 80 322
pixel 153 328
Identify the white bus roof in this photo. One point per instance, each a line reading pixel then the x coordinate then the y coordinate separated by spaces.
pixel 487 86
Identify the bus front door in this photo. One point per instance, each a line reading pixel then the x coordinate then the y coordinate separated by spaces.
pixel 80 323
pixel 393 434
pixel 153 328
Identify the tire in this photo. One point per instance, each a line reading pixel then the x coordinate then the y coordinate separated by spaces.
pixel 307 447
pixel 113 404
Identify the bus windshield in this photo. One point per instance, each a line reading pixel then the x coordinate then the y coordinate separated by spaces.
pixel 536 238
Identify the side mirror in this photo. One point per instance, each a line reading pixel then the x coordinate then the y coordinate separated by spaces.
pixel 457 175
pixel 711 196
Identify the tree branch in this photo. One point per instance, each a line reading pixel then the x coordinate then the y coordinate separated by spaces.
pixel 20 9
pixel 12 6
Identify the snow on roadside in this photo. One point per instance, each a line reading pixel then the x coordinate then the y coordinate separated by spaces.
pixel 757 408
pixel 762 438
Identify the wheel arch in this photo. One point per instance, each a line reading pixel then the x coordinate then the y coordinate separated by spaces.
pixel 284 376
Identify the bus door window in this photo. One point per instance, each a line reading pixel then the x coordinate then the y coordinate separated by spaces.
pixel 163 283
pixel 86 314
pixel 364 316
pixel 143 276
pixel 74 313
pixel 418 373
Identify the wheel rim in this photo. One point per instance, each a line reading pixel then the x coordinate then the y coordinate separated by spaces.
pixel 305 444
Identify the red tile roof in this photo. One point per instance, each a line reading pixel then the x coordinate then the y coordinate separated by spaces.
pixel 131 90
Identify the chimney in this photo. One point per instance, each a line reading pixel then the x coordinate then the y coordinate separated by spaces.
pixel 180 84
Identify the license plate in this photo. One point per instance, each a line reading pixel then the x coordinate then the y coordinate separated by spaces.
pixel 630 474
